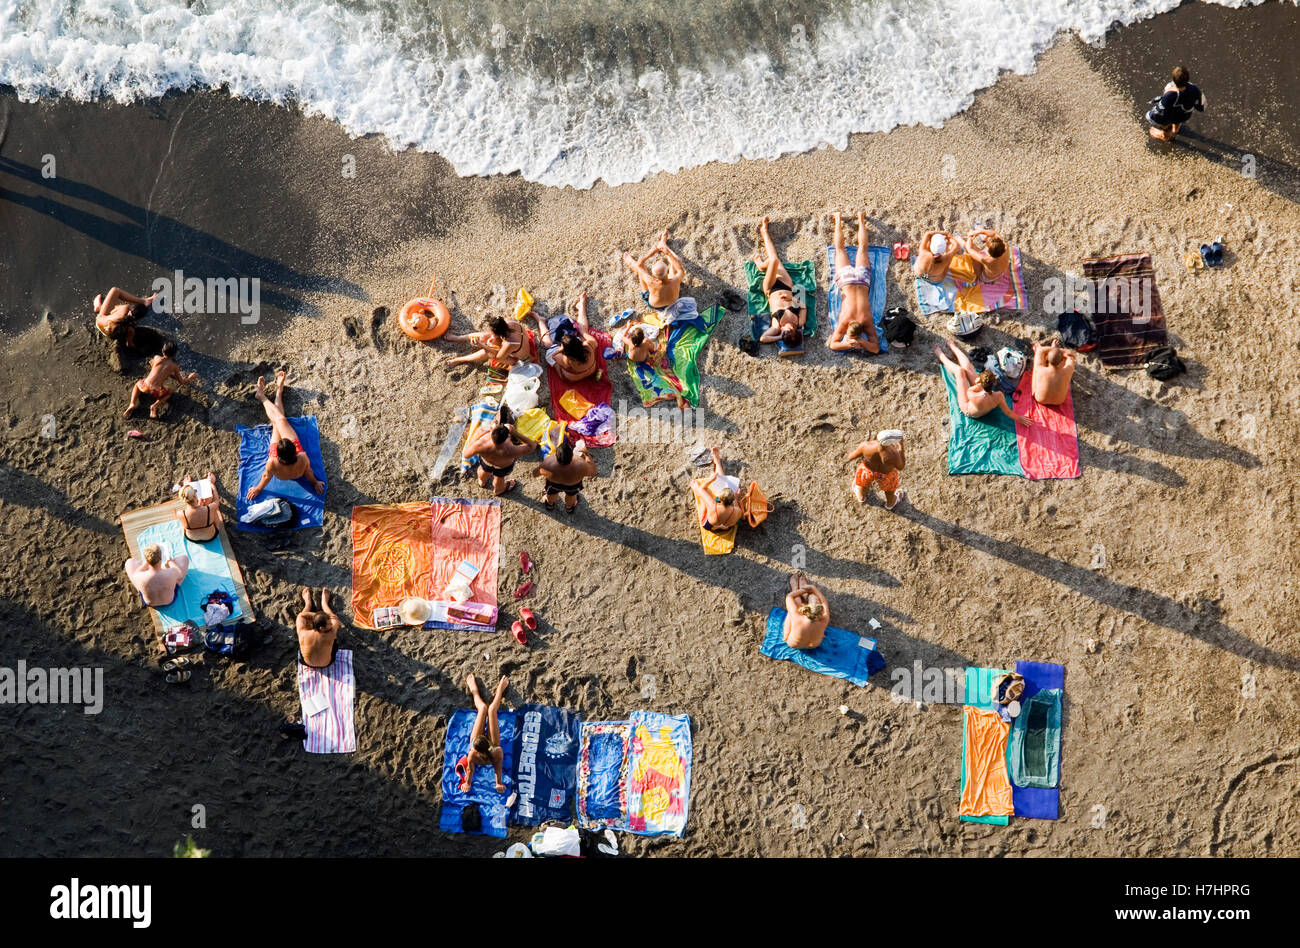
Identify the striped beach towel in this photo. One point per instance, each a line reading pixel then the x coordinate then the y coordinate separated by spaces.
pixel 329 731
pixel 1126 308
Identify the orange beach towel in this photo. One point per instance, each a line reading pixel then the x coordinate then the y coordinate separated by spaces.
pixel 392 556
pixel 988 788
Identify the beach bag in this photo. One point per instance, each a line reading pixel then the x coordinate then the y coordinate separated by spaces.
pixel 1012 362
pixel 1164 364
pixel 471 818
pixel 1077 331
pixel 755 506
pixel 232 641
pixel 281 513
pixel 899 329
pixel 965 325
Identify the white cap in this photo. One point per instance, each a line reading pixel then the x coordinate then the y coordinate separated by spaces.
pixel 889 434
pixel 938 245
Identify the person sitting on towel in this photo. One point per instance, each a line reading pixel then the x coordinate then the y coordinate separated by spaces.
pixel 574 353
pixel 503 344
pixel 807 613
pixel 564 470
pixel 1053 370
pixel 978 393
pixel 499 449
pixel 788 312
pixel 637 346
pixel 880 462
pixel 719 505
pixel 318 632
pixel 201 515
pixel 855 328
pixel 286 460
pixel 662 282
pixel 155 580
pixel 117 312
pixel 938 248
pixel 161 368
pixel 484 749
pixel 988 251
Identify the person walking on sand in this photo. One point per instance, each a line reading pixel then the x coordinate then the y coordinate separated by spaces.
pixel 286 460
pixel 317 631
pixel 807 613
pixel 855 329
pixel 564 470
pixel 789 314
pixel 879 462
pixel 498 450
pixel 719 504
pixel 484 749
pixel 1053 371
pixel 156 581
pixel 161 368
pixel 977 392
pixel 1175 105
pixel 117 312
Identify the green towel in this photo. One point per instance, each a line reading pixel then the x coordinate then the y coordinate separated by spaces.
pixel 1034 748
pixel 984 445
pixel 686 352
pixel 803 274
pixel 676 373
pixel 979 694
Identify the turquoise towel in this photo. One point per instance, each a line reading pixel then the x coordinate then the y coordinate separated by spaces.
pixel 984 445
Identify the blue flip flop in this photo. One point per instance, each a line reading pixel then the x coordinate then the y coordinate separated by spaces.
pixel 1212 254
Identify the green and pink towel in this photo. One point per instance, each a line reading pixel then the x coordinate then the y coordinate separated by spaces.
pixel 994 444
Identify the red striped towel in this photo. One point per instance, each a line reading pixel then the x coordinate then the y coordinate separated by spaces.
pixel 330 731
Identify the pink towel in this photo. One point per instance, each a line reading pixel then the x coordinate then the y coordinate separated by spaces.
pixel 330 731
pixel 1051 447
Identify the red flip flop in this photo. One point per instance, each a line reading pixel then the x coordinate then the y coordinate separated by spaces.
pixel 525 562
pixel 518 631
pixel 530 620
pixel 462 771
pixel 524 590
pixel 902 251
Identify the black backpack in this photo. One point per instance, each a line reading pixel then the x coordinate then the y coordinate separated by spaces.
pixel 899 328
pixel 1077 331
pixel 1164 364
pixel 471 818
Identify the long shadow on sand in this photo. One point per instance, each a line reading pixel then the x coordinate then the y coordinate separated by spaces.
pixel 167 242
pixel 26 490
pixel 1204 624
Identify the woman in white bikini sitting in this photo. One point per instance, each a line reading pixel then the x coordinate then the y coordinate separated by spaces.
pixel 977 392
pixel 719 505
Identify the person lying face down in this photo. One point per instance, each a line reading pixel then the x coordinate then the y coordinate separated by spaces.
pixel 156 581
pixel 807 613
pixel 1053 371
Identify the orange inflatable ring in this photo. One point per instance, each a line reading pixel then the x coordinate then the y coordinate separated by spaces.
pixel 424 318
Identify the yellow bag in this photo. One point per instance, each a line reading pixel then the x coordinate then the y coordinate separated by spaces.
pixel 575 404
pixel 714 544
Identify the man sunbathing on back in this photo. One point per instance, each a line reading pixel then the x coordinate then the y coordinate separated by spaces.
pixel 855 328
pixel 807 613
pixel 880 462
pixel 1053 371
pixel 155 580
pixel 287 459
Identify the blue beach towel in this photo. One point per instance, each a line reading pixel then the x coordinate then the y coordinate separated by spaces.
pixel 254 448
pixel 483 789
pixel 546 764
pixel 208 572
pixel 879 258
pixel 936 297
pixel 842 654
pixel 1042 803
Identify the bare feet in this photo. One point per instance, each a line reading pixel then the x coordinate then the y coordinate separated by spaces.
pixel 471 683
pixel 325 598
pixel 501 687
pixel 212 476
pixel 860 493
pixel 261 388
pixel 280 379
pixel 129 410
pixel 306 597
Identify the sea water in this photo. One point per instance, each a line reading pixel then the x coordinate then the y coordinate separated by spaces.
pixel 565 92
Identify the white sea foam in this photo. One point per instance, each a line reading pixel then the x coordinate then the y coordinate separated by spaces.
pixel 877 66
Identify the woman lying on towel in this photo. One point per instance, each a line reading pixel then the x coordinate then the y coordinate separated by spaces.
pixel 719 505
pixel 201 515
pixel 788 313
pixel 855 329
pixel 484 749
pixel 807 613
pixel 978 393
pixel 503 344
pixel 287 460
pixel 572 349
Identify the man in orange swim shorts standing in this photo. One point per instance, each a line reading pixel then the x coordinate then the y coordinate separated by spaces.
pixel 880 462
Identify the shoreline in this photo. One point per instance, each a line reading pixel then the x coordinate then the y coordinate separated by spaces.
pixel 1195 512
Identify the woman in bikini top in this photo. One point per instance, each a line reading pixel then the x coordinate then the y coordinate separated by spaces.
pixel 199 517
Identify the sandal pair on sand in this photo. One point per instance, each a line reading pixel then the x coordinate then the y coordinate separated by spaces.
pixel 526 621
pixel 1210 255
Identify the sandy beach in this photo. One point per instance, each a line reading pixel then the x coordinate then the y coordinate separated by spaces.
pixel 1175 550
